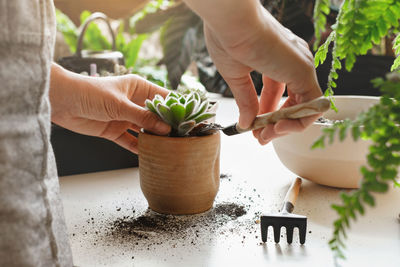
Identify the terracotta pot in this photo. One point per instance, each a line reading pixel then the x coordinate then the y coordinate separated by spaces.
pixel 179 175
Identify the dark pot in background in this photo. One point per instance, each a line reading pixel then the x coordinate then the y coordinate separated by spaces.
pixel 76 153
pixel 358 81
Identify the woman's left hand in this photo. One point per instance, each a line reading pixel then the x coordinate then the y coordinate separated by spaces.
pixel 105 107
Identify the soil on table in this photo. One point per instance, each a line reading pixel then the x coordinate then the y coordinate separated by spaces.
pixel 235 214
pixel 151 223
pixel 328 121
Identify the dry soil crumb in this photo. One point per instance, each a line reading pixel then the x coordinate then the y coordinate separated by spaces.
pixel 225 175
pixel 328 121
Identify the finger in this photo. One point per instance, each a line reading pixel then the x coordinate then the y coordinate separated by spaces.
pixel 134 128
pixel 267 134
pixel 298 125
pixel 127 141
pixel 140 89
pixel 308 88
pixel 271 95
pixel 143 118
pixel 246 98
pixel 286 126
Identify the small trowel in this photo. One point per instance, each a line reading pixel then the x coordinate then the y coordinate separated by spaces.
pixel 313 107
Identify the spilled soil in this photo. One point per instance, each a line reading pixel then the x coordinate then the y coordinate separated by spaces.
pixel 151 223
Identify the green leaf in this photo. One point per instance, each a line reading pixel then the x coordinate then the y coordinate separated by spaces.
pixel 396 63
pixel 342 133
pixel 203 107
pixel 355 132
pixel 378 187
pixel 185 127
pixel 350 60
pixel 150 106
pixel 382 27
pixel 320 143
pixel 170 101
pixel 165 113
pixel 190 105
pixel 182 100
pixel 368 199
pixel 174 94
pixel 179 41
pixel 389 174
pixel 359 207
pixel 178 112
pixel 131 52
pixel 203 117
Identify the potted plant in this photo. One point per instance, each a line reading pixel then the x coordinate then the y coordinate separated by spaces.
pixel 179 173
pixel 359 26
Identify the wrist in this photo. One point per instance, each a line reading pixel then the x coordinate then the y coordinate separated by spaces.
pixel 229 19
pixel 63 84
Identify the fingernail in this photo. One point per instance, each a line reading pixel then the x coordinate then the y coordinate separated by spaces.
pixel 243 124
pixel 264 136
pixel 279 129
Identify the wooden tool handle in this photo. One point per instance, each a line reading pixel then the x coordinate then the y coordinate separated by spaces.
pixel 291 196
pixel 306 109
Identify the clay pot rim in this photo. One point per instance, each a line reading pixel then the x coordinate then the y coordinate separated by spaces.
pixel 142 132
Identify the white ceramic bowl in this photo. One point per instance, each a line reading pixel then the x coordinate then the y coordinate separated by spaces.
pixel 336 165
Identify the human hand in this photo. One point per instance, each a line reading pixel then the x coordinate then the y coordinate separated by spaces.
pixel 105 107
pixel 249 38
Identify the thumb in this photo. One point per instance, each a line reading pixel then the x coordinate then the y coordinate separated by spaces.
pixel 246 98
pixel 144 118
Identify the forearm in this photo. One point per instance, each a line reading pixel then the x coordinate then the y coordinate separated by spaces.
pixel 230 18
pixel 62 92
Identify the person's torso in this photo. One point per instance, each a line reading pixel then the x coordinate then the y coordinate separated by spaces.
pixel 26 45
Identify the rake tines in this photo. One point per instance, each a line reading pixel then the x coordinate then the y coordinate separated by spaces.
pixel 285 218
pixel 290 222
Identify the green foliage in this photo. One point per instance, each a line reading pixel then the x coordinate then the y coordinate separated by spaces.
pixel 321 10
pixel 396 48
pixel 379 124
pixel 180 37
pixel 68 29
pixel 182 112
pixel 360 24
pixel 130 49
pixel 93 39
pixel 129 44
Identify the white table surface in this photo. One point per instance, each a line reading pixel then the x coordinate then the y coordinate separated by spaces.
pixel 92 201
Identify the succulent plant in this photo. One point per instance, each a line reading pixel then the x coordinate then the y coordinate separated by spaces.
pixel 182 112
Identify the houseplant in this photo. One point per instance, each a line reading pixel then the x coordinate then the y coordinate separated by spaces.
pixel 179 173
pixel 361 24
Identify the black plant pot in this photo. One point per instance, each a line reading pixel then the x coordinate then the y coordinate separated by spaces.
pixel 358 81
pixel 76 153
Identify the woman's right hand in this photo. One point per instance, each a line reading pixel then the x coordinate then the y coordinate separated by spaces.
pixel 241 37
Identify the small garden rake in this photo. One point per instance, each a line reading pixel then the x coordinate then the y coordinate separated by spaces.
pixel 286 218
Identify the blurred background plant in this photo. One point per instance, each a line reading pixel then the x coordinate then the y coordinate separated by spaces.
pixel 163 41
pixel 177 33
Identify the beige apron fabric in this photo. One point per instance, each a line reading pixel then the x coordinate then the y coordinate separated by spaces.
pixel 32 227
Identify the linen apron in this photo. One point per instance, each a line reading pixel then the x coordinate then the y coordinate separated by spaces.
pixel 32 227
